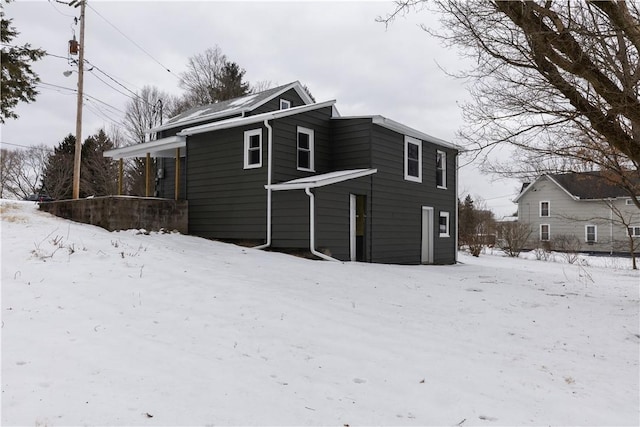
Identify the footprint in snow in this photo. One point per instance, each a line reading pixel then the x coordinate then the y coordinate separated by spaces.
pixel 359 381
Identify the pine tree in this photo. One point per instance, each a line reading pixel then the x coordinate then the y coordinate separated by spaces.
pixel 18 80
pixel 57 179
pixel 230 84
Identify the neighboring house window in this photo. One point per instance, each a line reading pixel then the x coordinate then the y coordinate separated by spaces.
pixel 634 231
pixel 253 149
pixel 441 169
pixel 629 201
pixel 412 159
pixel 305 149
pixel 544 208
pixel 444 224
pixel 591 233
pixel 545 232
pixel 284 104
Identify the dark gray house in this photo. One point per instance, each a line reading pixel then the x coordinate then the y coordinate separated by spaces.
pixel 279 170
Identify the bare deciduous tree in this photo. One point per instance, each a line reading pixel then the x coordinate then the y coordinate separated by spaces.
pixel 202 76
pixel 512 237
pixel 553 79
pixel 21 171
pixel 141 114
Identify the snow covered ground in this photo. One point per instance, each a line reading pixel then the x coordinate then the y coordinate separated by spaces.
pixel 121 328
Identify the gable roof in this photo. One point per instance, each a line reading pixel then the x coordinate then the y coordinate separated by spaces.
pixel 583 185
pixel 231 107
pixel 166 146
pixel 240 121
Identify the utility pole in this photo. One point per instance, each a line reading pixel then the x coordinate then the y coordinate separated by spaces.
pixel 78 149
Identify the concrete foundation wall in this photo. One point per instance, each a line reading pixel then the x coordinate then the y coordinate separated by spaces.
pixel 124 213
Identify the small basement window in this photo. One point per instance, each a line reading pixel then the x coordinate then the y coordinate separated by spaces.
pixel 412 159
pixel 253 149
pixel 305 149
pixel 443 223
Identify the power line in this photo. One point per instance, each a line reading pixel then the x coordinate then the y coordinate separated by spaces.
pixel 84 95
pixel 27 146
pixel 136 44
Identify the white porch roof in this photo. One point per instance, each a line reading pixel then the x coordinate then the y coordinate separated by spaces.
pixel 165 147
pixel 321 180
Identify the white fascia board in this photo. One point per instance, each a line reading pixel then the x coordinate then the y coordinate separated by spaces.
pixel 406 130
pixel 321 180
pixel 241 121
pixel 218 114
pixel 526 190
pixel 295 85
pixel 151 147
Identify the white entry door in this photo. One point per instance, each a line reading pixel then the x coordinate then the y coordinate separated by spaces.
pixel 427 235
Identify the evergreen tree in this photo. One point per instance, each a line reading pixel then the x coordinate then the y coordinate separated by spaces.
pixel 99 174
pixel 230 84
pixel 57 180
pixel 18 80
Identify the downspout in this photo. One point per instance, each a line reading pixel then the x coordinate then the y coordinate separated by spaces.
pixel 611 225
pixel 312 228
pixel 269 173
pixel 455 259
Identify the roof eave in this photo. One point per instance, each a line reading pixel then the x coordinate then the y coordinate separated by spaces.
pixel 140 150
pixel 240 121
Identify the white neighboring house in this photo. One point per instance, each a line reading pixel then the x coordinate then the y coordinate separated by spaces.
pixel 601 215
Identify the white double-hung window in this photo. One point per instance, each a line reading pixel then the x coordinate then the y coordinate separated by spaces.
pixel 305 149
pixel 253 149
pixel 412 159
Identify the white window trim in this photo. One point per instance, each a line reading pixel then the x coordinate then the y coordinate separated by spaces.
pixel 548 233
pixel 444 215
pixel 548 209
pixel 595 233
pixel 285 104
pixel 444 170
pixel 247 138
pixel 634 228
pixel 409 140
pixel 309 132
pixel 629 201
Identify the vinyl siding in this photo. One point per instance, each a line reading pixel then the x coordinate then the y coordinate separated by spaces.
pixel 285 166
pixel 351 143
pixel 569 217
pixel 166 185
pixel 396 212
pixel 332 217
pixel 291 95
pixel 225 200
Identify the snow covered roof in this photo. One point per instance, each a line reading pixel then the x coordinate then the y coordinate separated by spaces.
pixel 231 107
pixel 321 180
pixel 240 121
